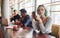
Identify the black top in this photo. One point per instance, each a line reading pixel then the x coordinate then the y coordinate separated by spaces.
pixel 15 17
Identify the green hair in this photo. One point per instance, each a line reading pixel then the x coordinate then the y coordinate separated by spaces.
pixel 46 12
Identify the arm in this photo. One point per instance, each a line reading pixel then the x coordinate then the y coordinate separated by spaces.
pixel 34 25
pixel 47 26
pixel 28 21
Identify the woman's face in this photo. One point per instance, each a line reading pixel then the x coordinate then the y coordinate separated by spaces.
pixel 41 10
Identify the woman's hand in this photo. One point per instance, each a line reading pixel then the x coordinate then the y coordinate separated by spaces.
pixel 38 19
pixel 34 16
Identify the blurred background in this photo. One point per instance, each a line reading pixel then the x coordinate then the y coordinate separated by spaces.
pixel 52 6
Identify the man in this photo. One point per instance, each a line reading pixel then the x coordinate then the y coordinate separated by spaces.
pixel 25 19
pixel 14 16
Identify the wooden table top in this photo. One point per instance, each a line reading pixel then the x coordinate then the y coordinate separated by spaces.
pixel 29 34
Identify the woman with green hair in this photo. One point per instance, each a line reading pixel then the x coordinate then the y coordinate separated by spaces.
pixel 43 22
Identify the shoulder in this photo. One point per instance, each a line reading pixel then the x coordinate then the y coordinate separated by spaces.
pixel 27 16
pixel 49 18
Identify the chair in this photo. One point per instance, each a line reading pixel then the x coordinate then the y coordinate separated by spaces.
pixel 55 30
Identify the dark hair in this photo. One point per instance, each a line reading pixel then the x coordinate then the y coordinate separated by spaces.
pixel 14 10
pixel 33 12
pixel 44 8
pixel 23 11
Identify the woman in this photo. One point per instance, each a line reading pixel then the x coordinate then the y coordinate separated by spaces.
pixel 43 22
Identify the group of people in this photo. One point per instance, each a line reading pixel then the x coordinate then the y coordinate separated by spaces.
pixel 41 22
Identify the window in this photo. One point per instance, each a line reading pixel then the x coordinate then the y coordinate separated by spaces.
pixel 52 6
pixel 28 5
pixel 56 11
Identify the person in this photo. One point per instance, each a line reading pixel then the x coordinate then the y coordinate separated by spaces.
pixel 42 23
pixel 14 16
pixel 25 19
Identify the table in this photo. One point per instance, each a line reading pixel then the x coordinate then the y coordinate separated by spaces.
pixel 44 36
pixel 51 36
pixel 25 35
pixel 16 34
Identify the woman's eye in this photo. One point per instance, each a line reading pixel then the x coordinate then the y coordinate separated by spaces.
pixel 42 9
